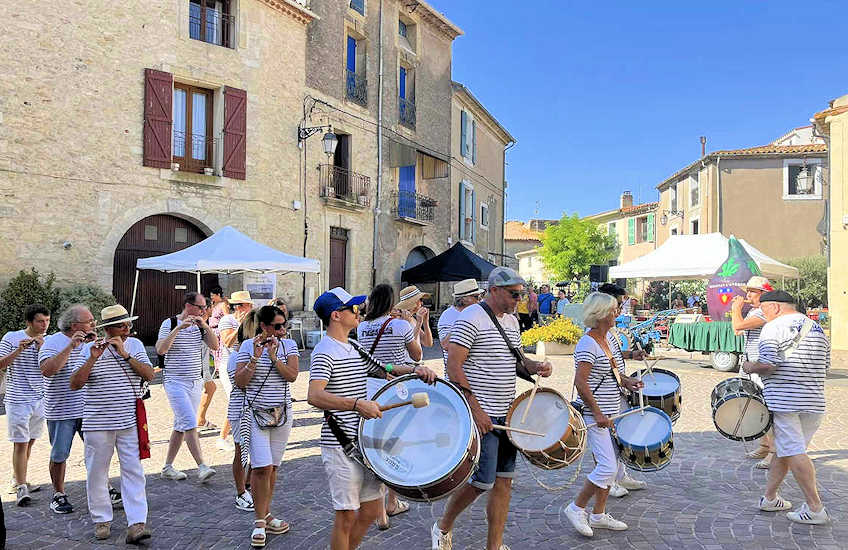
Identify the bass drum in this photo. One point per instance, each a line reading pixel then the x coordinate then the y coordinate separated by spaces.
pixel 739 410
pixel 423 454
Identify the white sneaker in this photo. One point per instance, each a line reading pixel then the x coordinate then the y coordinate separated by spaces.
pixel 629 483
pixel 440 541
pixel 204 472
pixel 225 445
pixel 776 505
pixel 805 515
pixel 244 502
pixel 606 521
pixel 618 491
pixel 169 472
pixel 579 520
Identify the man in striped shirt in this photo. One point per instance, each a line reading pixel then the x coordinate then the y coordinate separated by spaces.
pixel 112 376
pixel 337 375
pixel 181 340
pixel 794 355
pixel 465 293
pixel 482 365
pixel 24 392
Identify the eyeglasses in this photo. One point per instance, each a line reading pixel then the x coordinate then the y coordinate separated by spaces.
pixel 354 308
pixel 278 326
pixel 516 294
pixel 201 306
pixel 87 322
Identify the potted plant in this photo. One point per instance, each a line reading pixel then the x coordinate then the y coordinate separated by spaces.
pixel 557 338
pixel 175 166
pixel 209 171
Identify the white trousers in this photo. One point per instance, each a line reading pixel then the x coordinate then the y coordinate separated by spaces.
pixel 99 447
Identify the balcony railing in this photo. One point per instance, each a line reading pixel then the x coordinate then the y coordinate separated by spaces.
pixel 358 5
pixel 357 87
pixel 344 185
pixel 194 152
pixel 413 206
pixel 211 25
pixel 406 108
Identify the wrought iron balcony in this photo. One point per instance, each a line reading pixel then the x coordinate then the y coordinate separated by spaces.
pixel 357 87
pixel 406 108
pixel 194 152
pixel 412 206
pixel 344 185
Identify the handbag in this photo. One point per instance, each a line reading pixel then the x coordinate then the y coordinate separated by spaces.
pixel 270 417
pixel 142 429
pixel 520 369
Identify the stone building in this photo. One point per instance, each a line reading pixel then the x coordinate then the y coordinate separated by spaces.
pixel 136 129
pixel 632 225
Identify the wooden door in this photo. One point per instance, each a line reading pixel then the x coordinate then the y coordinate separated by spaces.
pixel 160 295
pixel 338 257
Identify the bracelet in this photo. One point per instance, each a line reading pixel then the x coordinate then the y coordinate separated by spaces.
pixel 413 368
pixel 389 367
pixel 354 404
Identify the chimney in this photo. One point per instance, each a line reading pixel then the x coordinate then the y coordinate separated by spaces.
pixel 703 146
pixel 626 199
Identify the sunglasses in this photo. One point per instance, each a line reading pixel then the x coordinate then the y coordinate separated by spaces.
pixel 354 308
pixel 516 294
pixel 278 326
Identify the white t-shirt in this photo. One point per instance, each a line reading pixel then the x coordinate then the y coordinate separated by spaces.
pixel 267 388
pixel 752 336
pixel 24 383
pixel 60 401
pixel 490 366
pixel 185 356
pixel 345 372
pixel 446 321
pixel 797 384
pixel 112 388
pixel 607 394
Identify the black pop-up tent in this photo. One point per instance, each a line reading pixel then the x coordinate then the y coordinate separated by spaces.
pixel 454 264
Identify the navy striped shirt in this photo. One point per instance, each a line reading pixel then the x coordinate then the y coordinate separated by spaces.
pixel 607 394
pixel 24 383
pixel 60 401
pixel 185 356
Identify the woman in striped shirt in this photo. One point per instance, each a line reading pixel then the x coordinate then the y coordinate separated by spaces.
pixel 597 382
pixel 266 365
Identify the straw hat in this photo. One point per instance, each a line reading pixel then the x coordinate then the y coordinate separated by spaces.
pixel 113 315
pixel 758 283
pixel 466 287
pixel 409 296
pixel 240 297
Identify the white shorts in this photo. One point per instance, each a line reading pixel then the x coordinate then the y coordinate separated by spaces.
pixel 793 431
pixel 350 483
pixel 25 421
pixel 184 398
pixel 599 441
pixel 267 446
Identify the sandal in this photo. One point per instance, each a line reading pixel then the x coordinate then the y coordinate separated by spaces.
pixel 758 453
pixel 400 508
pixel 765 463
pixel 208 426
pixel 276 526
pixel 257 537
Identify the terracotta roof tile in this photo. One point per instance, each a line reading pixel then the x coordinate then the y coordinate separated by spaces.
pixel 517 231
pixel 640 207
pixel 776 149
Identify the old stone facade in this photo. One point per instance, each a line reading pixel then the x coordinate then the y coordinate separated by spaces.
pixel 633 226
pixel 75 128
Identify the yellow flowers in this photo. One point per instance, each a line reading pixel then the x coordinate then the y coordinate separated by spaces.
pixel 562 330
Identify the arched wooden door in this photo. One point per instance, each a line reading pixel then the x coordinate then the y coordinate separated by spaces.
pixel 160 295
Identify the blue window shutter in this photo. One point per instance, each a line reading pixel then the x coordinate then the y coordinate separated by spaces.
pixel 463 140
pixel 406 188
pixel 351 54
pixel 402 92
pixel 473 216
pixel 474 141
pixel 461 211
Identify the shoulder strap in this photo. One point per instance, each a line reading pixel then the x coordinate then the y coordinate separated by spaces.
pixel 613 364
pixel 370 359
pixel 805 330
pixel 120 362
pixel 520 369
pixel 173 322
pixel 379 334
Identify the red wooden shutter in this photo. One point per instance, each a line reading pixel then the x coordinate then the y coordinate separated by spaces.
pixel 235 130
pixel 158 118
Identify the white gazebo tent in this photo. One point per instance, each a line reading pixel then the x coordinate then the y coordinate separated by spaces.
pixel 227 251
pixel 695 257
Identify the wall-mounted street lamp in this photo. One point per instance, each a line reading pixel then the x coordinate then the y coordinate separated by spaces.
pixel 666 213
pixel 329 141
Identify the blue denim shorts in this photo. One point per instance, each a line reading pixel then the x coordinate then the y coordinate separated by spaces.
pixel 61 433
pixel 497 457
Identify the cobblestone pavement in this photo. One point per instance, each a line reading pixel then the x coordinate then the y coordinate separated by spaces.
pixel 704 499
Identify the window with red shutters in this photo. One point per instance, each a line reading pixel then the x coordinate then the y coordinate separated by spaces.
pixel 157 118
pixel 235 133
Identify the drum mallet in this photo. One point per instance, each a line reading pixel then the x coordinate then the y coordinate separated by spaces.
pixel 518 430
pixel 530 401
pixel 641 409
pixel 418 400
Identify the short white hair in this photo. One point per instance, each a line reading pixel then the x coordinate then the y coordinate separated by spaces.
pixel 597 306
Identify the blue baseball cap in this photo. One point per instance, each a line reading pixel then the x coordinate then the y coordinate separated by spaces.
pixel 334 300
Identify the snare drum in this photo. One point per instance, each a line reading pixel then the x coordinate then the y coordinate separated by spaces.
pixel 552 415
pixel 645 441
pixel 739 410
pixel 662 390
pixel 423 454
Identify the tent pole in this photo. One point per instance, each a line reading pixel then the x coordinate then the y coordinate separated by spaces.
pixel 198 282
pixel 135 288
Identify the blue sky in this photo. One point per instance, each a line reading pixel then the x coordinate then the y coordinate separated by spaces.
pixel 607 97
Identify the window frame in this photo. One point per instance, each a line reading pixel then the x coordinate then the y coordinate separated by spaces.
pixel 354 10
pixel 641 222
pixel 468 197
pixel 673 197
pixel 227 23
pixel 817 179
pixel 189 163
pixel 484 206
pixel 696 179
pixel 694 220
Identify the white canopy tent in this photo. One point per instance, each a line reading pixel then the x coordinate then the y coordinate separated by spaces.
pixel 226 251
pixel 695 257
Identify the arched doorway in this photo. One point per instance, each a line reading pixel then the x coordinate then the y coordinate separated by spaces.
pixel 418 255
pixel 160 295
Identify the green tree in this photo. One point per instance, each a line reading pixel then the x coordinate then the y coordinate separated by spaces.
pixel 93 297
pixel 24 289
pixel 572 245
pixel 813 273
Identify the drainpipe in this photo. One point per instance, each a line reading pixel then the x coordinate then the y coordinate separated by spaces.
pixel 503 202
pixel 718 178
pixel 379 149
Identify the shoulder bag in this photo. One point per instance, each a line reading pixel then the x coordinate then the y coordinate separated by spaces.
pixel 266 418
pixel 520 369
pixel 613 369
pixel 140 410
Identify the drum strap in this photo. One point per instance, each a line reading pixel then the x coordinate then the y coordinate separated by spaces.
pixel 379 334
pixel 613 364
pixel 349 446
pixel 805 330
pixel 520 370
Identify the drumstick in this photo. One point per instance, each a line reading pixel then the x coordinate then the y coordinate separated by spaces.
pixel 614 417
pixel 530 401
pixel 519 430
pixel 418 400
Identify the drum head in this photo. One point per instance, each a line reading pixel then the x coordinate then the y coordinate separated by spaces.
pixel 755 422
pixel 644 431
pixel 549 414
pixel 660 383
pixel 410 446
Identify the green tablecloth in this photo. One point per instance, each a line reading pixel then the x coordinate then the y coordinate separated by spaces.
pixel 715 336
